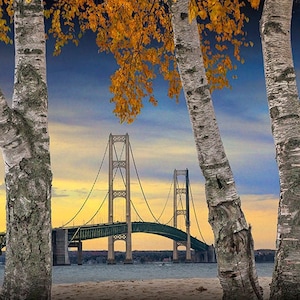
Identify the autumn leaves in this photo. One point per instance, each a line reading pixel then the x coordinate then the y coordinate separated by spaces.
pixel 139 35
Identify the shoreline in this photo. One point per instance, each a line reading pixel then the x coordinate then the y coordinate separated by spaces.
pixel 164 289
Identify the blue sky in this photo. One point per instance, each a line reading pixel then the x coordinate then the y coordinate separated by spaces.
pixel 81 119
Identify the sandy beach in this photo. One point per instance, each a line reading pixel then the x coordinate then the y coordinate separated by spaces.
pixel 163 289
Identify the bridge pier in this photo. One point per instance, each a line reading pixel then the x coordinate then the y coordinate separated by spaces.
pixel 60 247
pixel 111 251
pixel 208 256
pixel 212 254
pixel 78 245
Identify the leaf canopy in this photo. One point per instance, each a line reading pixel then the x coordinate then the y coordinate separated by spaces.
pixel 139 35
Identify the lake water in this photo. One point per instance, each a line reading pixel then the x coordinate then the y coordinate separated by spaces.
pixel 103 272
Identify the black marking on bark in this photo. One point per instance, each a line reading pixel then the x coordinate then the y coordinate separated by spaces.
pixel 271 97
pixel 183 16
pixel 228 274
pixel 216 166
pixel 24 129
pixel 219 182
pixel 292 144
pixel 33 51
pixel 274 112
pixel 272 27
pixel 34 98
pixel 189 93
pixel 33 7
pixel 191 71
pixel 201 90
pixel 286 75
pixel 179 47
pixel 290 116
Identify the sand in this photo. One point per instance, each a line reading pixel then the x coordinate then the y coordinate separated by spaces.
pixel 158 289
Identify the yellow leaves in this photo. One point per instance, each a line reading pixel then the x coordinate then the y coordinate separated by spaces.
pixel 27 1
pixel 47 13
pixel 5 8
pixel 223 19
pixel 220 47
pixel 254 3
pixel 92 19
pixel 140 37
pixel 193 10
pixel 202 14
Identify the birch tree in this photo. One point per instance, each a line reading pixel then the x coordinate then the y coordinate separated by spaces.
pixel 127 29
pixel 283 101
pixel 233 239
pixel 25 147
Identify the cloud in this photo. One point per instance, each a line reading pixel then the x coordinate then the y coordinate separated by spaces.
pixel 56 194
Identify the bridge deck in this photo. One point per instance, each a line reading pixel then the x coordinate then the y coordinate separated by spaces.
pixel 88 232
pixel 103 230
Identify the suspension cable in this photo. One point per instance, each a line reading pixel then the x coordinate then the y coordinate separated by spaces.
pixel 141 186
pixel 196 215
pixel 118 158
pixel 163 210
pixel 169 221
pixel 97 210
pixel 115 173
pixel 136 211
pixel 79 227
pixel 90 192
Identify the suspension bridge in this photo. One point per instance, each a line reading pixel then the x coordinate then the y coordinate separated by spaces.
pixel 66 237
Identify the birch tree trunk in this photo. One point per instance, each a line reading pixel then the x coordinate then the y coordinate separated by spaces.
pixel 233 239
pixel 283 101
pixel 24 142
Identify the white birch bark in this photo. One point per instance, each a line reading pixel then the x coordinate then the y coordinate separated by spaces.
pixel 233 239
pixel 283 101
pixel 25 146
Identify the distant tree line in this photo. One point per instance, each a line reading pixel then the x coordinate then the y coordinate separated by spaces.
pixel 98 257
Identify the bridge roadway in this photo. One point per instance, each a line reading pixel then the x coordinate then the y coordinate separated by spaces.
pixel 87 232
pixel 103 230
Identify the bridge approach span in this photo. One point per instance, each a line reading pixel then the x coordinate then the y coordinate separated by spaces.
pixel 87 232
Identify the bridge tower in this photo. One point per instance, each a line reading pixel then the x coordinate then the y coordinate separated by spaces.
pixel 185 211
pixel 114 163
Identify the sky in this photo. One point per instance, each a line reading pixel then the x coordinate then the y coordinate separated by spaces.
pixel 161 138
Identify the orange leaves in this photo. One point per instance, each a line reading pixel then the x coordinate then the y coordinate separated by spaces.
pixel 254 3
pixel 5 8
pixel 137 33
pixel 3 31
pixel 140 36
pixel 193 10
pixel 92 19
pixel 223 19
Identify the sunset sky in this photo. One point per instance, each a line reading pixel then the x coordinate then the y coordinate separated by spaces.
pixel 81 119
